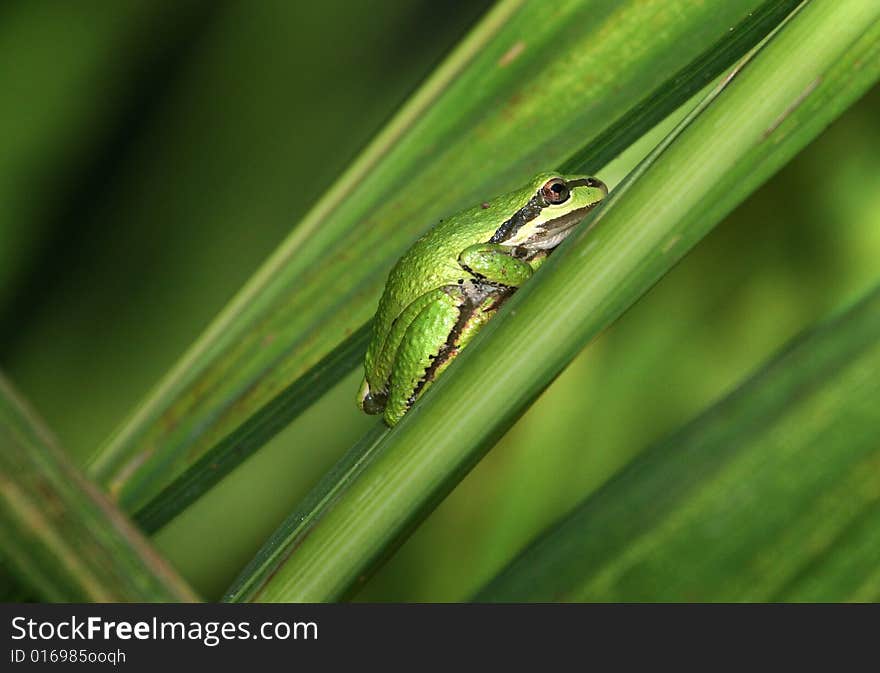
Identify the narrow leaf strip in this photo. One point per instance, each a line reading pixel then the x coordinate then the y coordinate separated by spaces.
pixel 300 522
pixel 253 433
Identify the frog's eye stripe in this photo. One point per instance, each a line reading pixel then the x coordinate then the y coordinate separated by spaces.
pixel 525 214
pixel 534 207
pixel 538 202
pixel 589 182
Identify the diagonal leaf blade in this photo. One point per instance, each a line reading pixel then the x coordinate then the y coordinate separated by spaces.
pixel 65 539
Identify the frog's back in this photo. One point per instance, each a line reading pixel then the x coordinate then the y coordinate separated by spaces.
pixel 432 261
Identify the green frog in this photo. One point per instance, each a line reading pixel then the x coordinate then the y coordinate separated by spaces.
pixel 455 278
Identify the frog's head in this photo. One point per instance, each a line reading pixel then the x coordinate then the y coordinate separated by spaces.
pixel 552 204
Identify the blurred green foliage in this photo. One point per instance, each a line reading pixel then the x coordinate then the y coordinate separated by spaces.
pixel 156 152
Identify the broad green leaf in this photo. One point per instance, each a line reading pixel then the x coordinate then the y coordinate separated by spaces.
pixel 773 494
pixel 64 538
pixel 524 91
pixel 818 63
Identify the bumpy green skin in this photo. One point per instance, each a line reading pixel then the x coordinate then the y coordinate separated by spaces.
pixel 450 282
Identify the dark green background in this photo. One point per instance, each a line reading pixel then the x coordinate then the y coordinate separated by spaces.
pixel 156 152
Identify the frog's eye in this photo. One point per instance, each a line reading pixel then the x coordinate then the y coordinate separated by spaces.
pixel 555 191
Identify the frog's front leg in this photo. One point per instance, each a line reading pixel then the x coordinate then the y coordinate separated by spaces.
pixel 433 339
pixel 500 264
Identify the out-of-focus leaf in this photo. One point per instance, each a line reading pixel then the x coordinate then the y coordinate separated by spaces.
pixel 58 61
pixel 773 494
pixel 818 63
pixel 64 538
pixel 523 91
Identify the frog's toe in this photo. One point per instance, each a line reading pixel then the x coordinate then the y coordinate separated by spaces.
pixel 370 402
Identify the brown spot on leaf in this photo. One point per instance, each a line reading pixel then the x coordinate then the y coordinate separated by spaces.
pixel 670 243
pixel 511 54
pixel 795 104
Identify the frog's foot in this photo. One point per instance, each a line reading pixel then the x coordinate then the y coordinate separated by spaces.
pixel 369 402
pixel 437 334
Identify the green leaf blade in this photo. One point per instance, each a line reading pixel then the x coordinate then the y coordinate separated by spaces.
pixel 66 540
